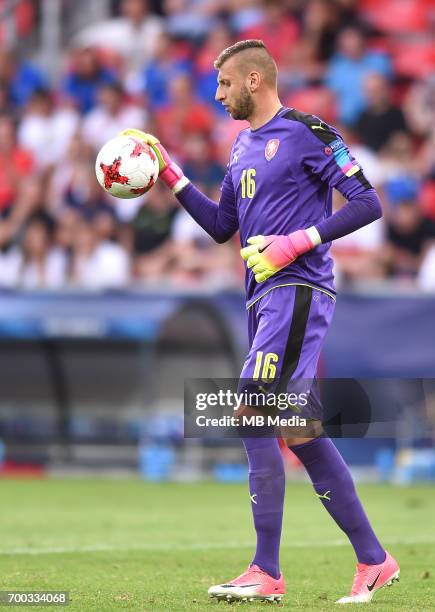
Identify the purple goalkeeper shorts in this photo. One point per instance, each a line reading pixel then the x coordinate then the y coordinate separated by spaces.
pixel 287 327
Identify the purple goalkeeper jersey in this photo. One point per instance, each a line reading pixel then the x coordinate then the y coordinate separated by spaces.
pixel 282 176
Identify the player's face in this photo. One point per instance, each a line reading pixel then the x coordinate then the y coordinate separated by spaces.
pixel 233 93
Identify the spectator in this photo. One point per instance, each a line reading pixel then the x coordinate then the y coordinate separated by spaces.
pixel 278 29
pixel 426 274
pixel 381 118
pixel 244 14
pixel 348 11
pixel 85 78
pixel 347 70
pixel 199 164
pixel 300 68
pixel 6 107
pixel 28 203
pixel 197 258
pixel 67 225
pixel 31 200
pixel 111 115
pixel 190 19
pixel 46 131
pixel 183 115
pixel 359 256
pixel 21 79
pixel 320 27
pixel 84 194
pixel 28 257
pixel 97 264
pixel 152 229
pixel 408 231
pixel 41 265
pixel 15 163
pixel 48 167
pixel 10 259
pixel 67 175
pixel 133 35
pixel 398 158
pixel 219 38
pixel 224 133
pixel 73 183
pixel 419 106
pixel 161 71
pixel 105 226
pixel 426 159
pixel 367 158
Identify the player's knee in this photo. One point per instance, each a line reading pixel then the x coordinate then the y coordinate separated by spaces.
pixel 302 434
pixel 246 412
pixel 270 475
pixel 295 441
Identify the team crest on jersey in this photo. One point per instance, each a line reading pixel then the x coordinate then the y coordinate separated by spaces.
pixel 271 148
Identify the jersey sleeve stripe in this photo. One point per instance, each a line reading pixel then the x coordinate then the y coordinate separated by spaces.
pixel 331 138
pixel 318 127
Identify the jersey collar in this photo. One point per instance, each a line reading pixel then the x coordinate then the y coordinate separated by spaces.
pixel 277 114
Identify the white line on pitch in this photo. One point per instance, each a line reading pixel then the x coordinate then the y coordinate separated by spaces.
pixel 197 547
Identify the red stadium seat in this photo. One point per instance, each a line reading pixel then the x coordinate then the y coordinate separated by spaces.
pixel 315 101
pixel 427 199
pixel 24 19
pixel 413 59
pixel 396 16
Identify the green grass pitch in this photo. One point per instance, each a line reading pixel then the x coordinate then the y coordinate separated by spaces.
pixel 131 545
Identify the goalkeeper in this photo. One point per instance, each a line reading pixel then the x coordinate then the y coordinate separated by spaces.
pixel 278 193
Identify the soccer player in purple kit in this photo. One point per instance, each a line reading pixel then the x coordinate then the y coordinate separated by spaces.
pixel 277 192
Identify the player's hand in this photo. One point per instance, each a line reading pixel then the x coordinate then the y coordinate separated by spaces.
pixel 266 255
pixel 169 172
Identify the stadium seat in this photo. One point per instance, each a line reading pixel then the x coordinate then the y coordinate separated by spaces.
pixel 413 59
pixel 24 19
pixel 409 15
pixel 316 101
pixel 427 199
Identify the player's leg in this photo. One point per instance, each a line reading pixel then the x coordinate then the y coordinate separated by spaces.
pixel 272 320
pixel 266 490
pixel 335 488
pixel 330 475
pixel 277 315
pixel 263 579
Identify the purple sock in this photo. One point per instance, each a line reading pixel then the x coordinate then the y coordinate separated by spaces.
pixel 267 488
pixel 333 484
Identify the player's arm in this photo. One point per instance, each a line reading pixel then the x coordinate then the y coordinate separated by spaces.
pixel 218 220
pixel 323 153
pixel 326 155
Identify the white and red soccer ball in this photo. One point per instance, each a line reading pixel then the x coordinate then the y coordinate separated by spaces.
pixel 126 167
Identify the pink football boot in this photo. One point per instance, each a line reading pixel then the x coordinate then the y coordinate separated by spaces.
pixel 370 578
pixel 252 585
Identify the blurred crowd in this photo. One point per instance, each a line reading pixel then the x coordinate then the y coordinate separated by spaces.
pixel 150 66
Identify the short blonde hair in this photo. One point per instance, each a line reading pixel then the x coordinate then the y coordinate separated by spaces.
pixel 254 55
